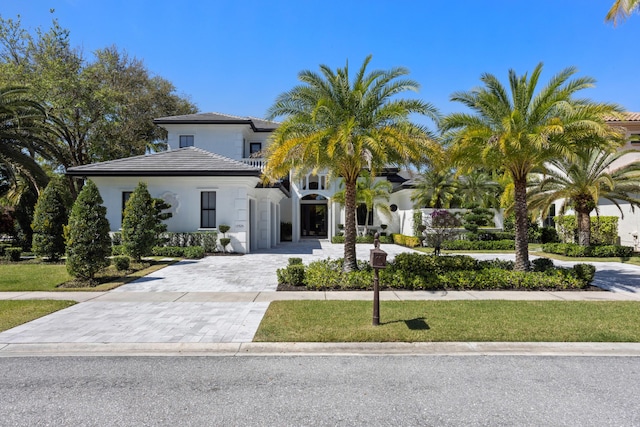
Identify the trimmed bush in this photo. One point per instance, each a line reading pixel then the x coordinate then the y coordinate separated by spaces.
pixel 363 239
pixel 194 252
pixel 168 251
pixel 117 250
pixel 87 234
pixel 575 250
pixel 13 254
pixel 293 274
pixel 139 224
pixel 408 241
pixel 121 262
pixel 585 272
pixel 49 218
pixel 541 264
pixel 295 261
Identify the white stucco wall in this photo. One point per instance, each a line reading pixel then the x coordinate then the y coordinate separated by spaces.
pixel 183 193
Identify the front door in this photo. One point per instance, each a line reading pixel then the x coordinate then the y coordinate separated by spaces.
pixel 314 220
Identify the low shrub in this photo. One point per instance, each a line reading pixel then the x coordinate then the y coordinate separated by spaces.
pixel 194 252
pixel 541 264
pixel 585 272
pixel 408 241
pixel 121 262
pixel 478 245
pixel 224 242
pixel 293 274
pixel 13 254
pixel 168 251
pixel 575 250
pixel 426 272
pixel 362 239
pixel 3 246
pixel 295 261
pixel 490 236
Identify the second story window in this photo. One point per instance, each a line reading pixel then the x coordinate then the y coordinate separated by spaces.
pixel 255 148
pixel 186 141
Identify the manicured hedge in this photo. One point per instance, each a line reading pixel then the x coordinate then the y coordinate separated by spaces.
pixel 478 245
pixel 408 241
pixel 575 250
pixel 121 262
pixel 426 272
pixel 362 239
pixel 193 252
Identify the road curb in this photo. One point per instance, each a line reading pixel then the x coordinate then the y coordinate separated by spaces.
pixel 321 349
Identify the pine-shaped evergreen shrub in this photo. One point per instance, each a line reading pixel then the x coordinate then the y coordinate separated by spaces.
pixel 49 219
pixel 139 224
pixel 88 241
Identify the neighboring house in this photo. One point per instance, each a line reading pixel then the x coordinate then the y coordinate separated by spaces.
pixel 629 226
pixel 211 175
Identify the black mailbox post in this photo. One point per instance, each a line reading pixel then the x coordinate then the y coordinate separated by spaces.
pixel 377 260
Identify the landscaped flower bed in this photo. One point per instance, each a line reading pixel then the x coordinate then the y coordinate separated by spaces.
pixel 426 272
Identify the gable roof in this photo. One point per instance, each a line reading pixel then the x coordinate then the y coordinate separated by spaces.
pixel 258 125
pixel 189 161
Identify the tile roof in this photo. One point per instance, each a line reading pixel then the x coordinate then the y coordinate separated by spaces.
pixel 626 117
pixel 189 161
pixel 258 125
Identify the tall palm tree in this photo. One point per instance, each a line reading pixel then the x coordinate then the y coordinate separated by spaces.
pixel 520 129
pixel 581 181
pixel 622 9
pixel 372 194
pixel 435 188
pixel 344 126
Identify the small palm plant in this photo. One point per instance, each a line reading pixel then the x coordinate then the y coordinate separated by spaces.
pixel 223 228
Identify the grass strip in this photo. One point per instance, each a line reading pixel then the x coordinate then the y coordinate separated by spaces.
pixel 32 277
pixel 449 321
pixel 17 312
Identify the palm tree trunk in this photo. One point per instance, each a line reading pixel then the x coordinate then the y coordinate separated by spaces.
pixel 522 225
pixel 350 260
pixel 584 228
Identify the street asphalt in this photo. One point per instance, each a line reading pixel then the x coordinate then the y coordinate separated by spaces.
pixel 215 305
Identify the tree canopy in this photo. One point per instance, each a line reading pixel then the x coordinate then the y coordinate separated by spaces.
pixel 344 124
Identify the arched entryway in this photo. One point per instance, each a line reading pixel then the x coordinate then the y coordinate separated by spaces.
pixel 313 216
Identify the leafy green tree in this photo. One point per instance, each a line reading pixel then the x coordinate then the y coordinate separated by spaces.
pixel 142 222
pixel 87 234
pixel 49 218
pixel 622 9
pixel 97 109
pixel 334 123
pixel 581 181
pixel 521 127
pixel 478 189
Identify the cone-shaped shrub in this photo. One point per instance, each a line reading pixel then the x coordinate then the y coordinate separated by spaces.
pixel 139 223
pixel 88 241
pixel 49 218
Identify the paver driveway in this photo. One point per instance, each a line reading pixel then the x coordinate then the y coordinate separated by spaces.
pixel 174 304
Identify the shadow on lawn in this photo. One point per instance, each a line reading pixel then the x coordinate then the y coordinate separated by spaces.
pixel 417 324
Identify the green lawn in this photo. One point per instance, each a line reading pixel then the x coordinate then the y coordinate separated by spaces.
pixel 28 276
pixel 416 321
pixel 32 277
pixel 14 313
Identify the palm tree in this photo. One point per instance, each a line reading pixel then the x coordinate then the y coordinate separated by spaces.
pixel 621 9
pixel 435 188
pixel 478 188
pixel 581 181
pixel 370 193
pixel 521 129
pixel 21 122
pixel 345 126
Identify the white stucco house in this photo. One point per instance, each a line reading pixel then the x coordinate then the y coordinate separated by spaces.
pixel 210 174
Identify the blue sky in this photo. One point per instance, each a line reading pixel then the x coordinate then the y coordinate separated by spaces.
pixel 236 56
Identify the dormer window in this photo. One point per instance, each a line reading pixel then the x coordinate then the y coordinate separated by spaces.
pixel 186 141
